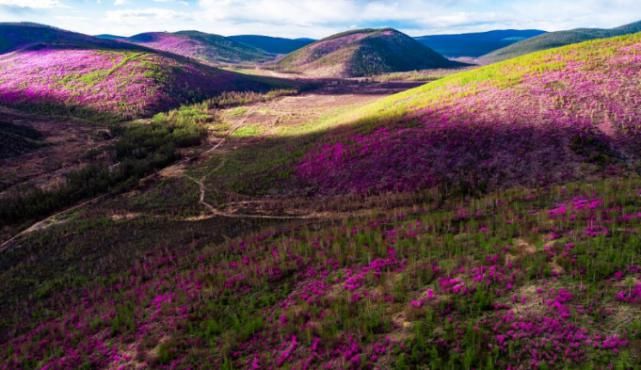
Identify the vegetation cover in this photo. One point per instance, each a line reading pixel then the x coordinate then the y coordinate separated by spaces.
pixel 489 219
pixel 475 44
pixel 207 48
pixel 363 53
pixel 557 39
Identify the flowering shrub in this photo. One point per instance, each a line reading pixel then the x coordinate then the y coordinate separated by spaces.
pixel 121 84
pixel 392 291
pixel 515 279
pixel 531 121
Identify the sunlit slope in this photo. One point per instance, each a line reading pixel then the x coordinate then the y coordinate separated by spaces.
pixel 108 82
pixel 541 118
pixel 557 39
pixel 16 36
pixel 207 48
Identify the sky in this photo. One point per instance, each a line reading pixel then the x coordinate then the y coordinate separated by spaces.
pixel 318 18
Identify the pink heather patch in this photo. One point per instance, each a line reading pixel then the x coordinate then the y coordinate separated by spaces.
pixel 452 285
pixel 559 211
pixel 290 348
pixel 357 277
pixel 546 339
pixel 127 84
pixel 614 342
pixel 420 302
pixel 593 231
pixel 523 135
pixel 162 299
pixel 632 295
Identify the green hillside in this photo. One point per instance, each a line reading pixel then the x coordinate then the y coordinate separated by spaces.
pixel 360 53
pixel 556 39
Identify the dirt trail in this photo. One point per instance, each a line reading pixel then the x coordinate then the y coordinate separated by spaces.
pixel 215 212
pixel 286 111
pixel 56 219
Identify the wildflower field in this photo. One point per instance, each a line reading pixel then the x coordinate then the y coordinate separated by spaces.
pixel 490 219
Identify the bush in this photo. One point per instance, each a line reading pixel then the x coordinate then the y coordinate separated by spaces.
pixel 141 149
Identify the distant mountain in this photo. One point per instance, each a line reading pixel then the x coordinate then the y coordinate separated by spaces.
pixel 52 70
pixel 527 121
pixel 208 48
pixel 110 37
pixel 363 53
pixel 15 36
pixel 272 45
pixel 475 44
pixel 556 39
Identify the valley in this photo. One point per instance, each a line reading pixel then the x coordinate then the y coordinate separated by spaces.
pixel 186 200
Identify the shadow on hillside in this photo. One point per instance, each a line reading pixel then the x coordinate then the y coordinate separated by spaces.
pixel 405 154
pixel 46 103
pixel 49 105
pixel 331 168
pixel 356 87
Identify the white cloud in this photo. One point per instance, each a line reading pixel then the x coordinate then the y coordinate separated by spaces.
pixel 33 4
pixel 421 16
pixel 319 18
pixel 146 16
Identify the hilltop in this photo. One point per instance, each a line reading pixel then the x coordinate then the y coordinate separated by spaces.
pixel 52 70
pixel 15 36
pixel 207 48
pixel 556 39
pixel 272 45
pixel 475 44
pixel 363 53
pixel 547 117
pixel 487 220
pixel 465 245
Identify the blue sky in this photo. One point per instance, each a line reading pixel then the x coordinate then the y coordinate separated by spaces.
pixel 318 18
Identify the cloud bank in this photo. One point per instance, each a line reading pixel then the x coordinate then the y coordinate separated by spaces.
pixel 313 18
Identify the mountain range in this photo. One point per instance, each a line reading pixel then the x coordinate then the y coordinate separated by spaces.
pixel 49 69
pixel 556 39
pixel 475 44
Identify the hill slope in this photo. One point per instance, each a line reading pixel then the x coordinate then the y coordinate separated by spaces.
pixel 59 71
pixel 556 39
pixel 475 44
pixel 542 118
pixel 15 36
pixel 524 278
pixel 272 45
pixel 363 53
pixel 208 48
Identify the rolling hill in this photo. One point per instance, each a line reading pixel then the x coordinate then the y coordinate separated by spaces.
pixel 475 44
pixel 207 48
pixel 363 53
pixel 110 37
pixel 546 117
pixel 15 36
pixel 556 39
pixel 272 45
pixel 58 71
pixel 485 252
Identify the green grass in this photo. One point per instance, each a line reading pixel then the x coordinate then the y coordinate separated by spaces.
pixel 247 131
pixel 501 75
pixel 557 39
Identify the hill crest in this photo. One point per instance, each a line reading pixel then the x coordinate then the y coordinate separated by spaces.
pixel 365 52
pixel 475 44
pixel 204 47
pixel 56 71
pixel 557 39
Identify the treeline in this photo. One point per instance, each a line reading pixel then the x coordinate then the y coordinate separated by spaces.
pixel 140 149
